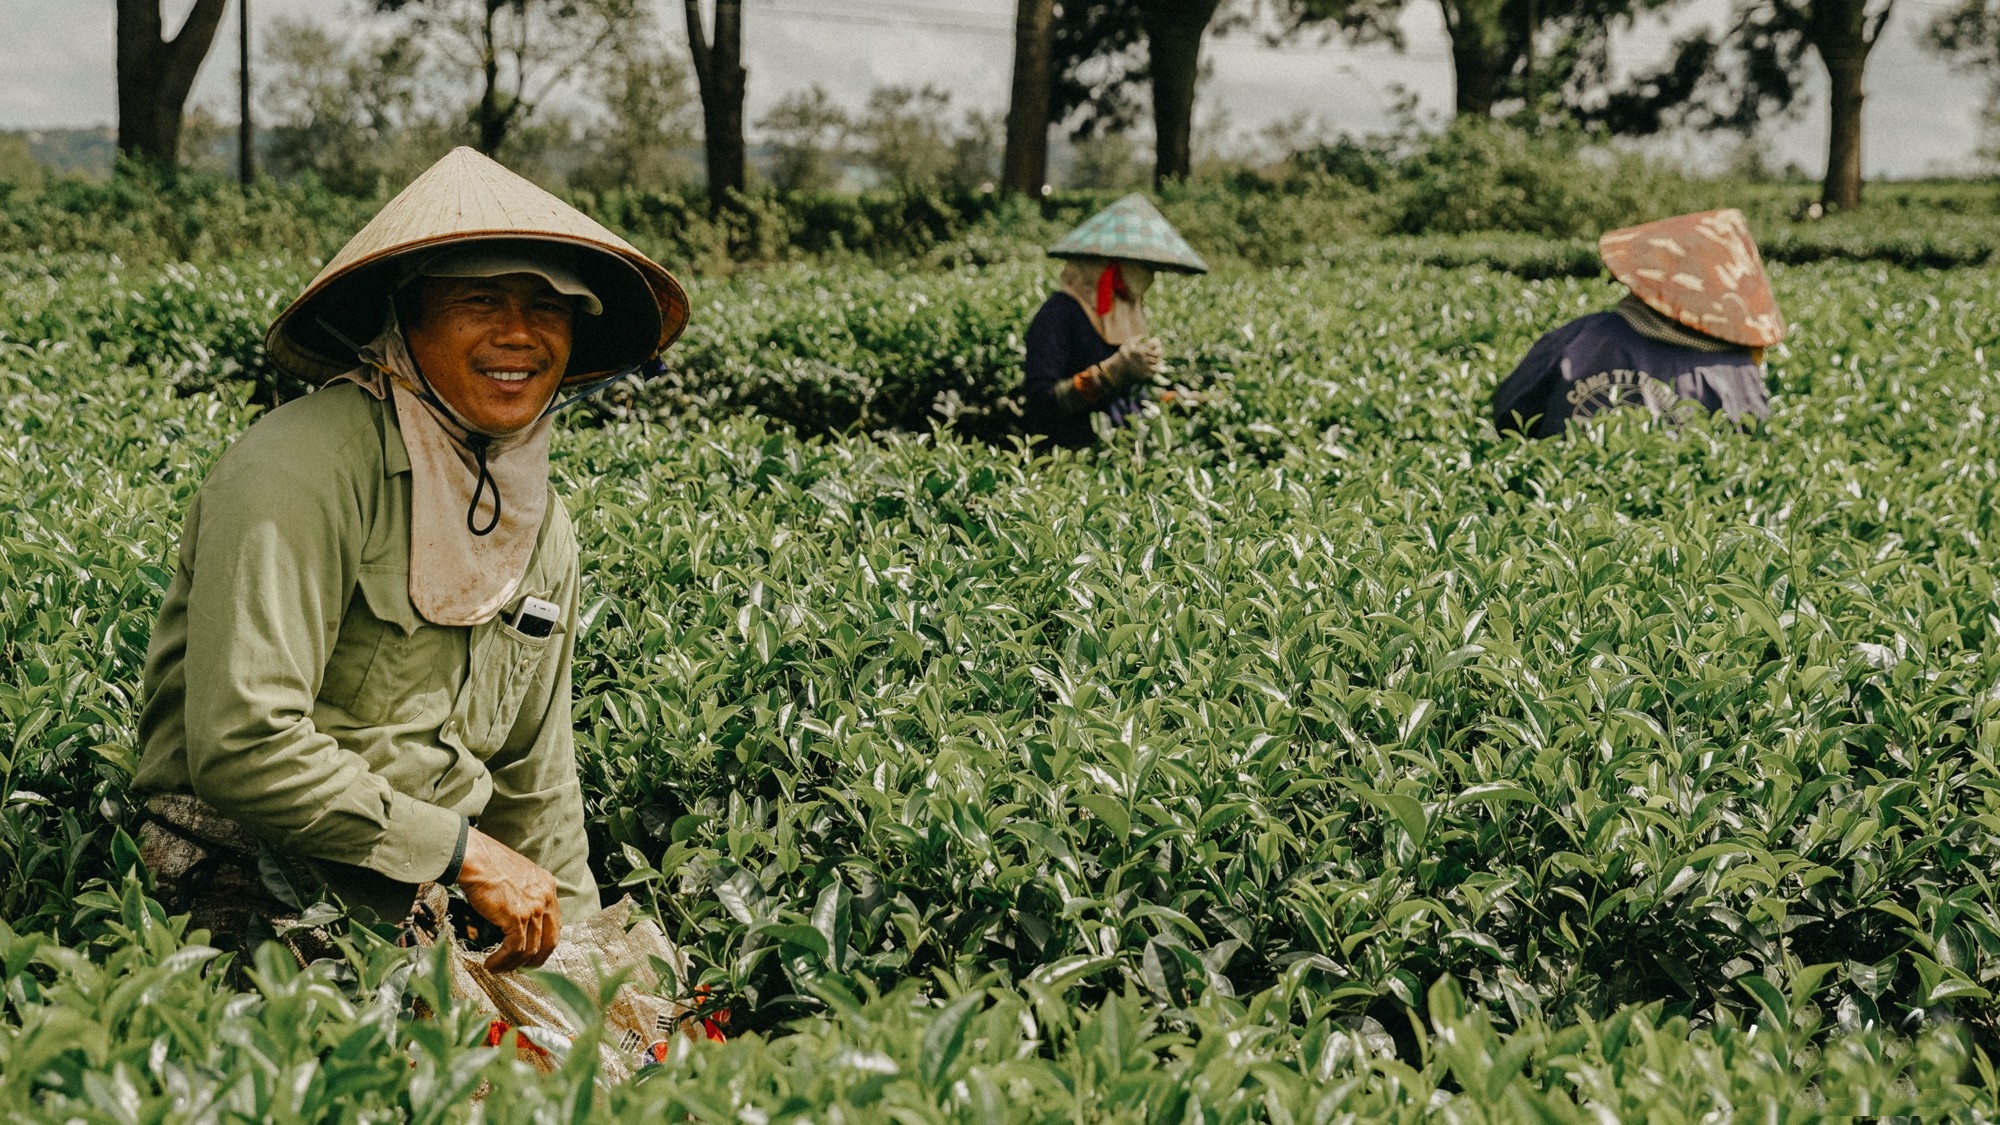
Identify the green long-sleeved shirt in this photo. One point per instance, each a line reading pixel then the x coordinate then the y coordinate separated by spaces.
pixel 291 684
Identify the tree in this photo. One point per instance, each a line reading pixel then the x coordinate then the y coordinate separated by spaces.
pixel 1108 162
pixel 1098 63
pixel 246 127
pixel 1969 35
pixel 348 112
pixel 205 141
pixel 649 120
pixel 1479 48
pixel 1842 32
pixel 19 170
pixel 806 131
pixel 1752 72
pixel 1102 48
pixel 1173 41
pixel 520 49
pixel 906 134
pixel 155 75
pixel 1536 51
pixel 719 72
pixel 1025 167
pixel 976 151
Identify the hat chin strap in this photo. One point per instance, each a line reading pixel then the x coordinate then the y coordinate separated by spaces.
pixel 423 387
pixel 645 370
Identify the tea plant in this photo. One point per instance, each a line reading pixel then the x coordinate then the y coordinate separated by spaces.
pixel 1314 750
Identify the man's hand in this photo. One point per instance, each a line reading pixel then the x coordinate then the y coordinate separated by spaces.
pixel 512 892
pixel 1137 361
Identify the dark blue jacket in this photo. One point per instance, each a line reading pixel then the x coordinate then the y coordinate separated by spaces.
pixel 1062 342
pixel 1599 361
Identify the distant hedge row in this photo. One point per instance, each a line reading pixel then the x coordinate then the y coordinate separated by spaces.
pixel 1534 203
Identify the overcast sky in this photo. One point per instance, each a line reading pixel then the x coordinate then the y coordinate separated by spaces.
pixel 1921 117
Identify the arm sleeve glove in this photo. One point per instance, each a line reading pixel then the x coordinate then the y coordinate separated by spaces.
pixel 1136 361
pixel 1082 391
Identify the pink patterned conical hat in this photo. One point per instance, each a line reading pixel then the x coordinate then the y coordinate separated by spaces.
pixel 1702 270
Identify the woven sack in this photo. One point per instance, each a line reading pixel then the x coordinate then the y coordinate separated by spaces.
pixel 639 1024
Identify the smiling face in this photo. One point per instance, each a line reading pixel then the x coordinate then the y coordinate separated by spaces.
pixel 493 348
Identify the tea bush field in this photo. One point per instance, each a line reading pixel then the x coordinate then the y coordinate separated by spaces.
pixel 1313 753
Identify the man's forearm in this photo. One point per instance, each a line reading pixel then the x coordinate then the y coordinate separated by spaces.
pixel 515 894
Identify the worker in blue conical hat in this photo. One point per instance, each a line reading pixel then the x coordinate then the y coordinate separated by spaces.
pixel 1089 351
pixel 1689 335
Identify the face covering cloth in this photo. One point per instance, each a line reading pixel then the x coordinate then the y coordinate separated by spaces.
pixel 476 500
pixel 1089 280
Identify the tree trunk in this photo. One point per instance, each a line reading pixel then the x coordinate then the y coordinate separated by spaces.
pixel 246 129
pixel 155 75
pixel 1478 51
pixel 1843 33
pixel 1173 41
pixel 1528 61
pixel 492 129
pixel 1025 166
pixel 1842 189
pixel 1478 81
pixel 718 68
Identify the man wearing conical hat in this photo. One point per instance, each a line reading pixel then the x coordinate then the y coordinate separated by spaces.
pixel 1089 351
pixel 1691 333
pixel 360 677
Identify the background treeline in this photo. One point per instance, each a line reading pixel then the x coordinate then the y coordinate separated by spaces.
pixel 597 95
pixel 1493 179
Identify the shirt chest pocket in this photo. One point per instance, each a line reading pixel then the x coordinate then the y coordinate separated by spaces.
pixel 388 666
pixel 509 674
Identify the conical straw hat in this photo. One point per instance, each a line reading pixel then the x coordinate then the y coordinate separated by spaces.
pixel 1702 270
pixel 1131 230
pixel 468 197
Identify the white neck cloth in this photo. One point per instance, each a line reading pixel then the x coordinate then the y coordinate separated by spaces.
pixel 457 575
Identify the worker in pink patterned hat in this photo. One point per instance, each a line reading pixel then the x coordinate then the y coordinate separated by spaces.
pixel 1689 336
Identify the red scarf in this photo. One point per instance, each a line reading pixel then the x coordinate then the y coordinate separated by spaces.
pixel 1110 286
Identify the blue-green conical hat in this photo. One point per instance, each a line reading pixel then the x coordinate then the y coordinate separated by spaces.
pixel 1131 230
